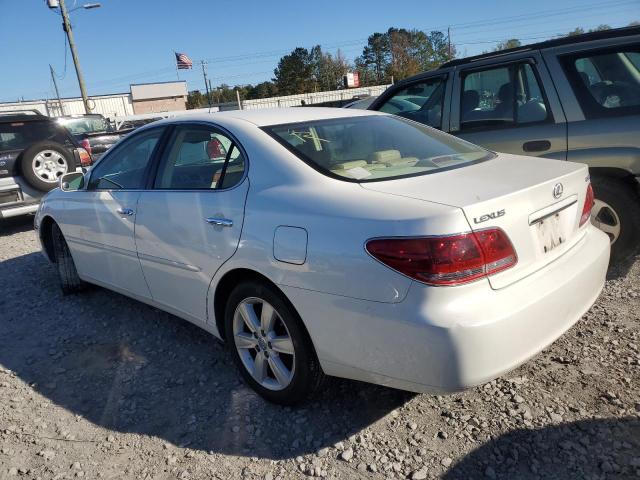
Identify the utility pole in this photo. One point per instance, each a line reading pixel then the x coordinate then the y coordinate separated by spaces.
pixel 206 84
pixel 210 88
pixel 66 26
pixel 238 98
pixel 449 41
pixel 55 84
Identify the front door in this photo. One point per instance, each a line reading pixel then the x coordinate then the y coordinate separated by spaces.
pixel 190 222
pixel 100 220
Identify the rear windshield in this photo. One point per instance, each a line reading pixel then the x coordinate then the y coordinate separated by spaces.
pixel 376 147
pixel 80 125
pixel 20 135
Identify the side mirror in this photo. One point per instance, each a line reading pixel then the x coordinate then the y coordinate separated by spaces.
pixel 70 182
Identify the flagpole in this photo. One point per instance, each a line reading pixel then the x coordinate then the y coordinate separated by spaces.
pixel 175 59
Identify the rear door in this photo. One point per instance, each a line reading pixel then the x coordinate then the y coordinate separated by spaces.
pixel 600 88
pixel 509 107
pixel 190 219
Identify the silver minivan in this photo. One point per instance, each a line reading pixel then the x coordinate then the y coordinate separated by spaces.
pixel 573 98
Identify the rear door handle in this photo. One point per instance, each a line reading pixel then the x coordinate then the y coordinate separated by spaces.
pixel 536 146
pixel 221 222
pixel 125 211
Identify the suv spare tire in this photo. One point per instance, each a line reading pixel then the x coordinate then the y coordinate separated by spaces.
pixel 43 163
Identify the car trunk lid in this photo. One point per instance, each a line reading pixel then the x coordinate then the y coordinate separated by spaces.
pixel 536 202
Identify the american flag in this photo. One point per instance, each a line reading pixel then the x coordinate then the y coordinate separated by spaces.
pixel 183 61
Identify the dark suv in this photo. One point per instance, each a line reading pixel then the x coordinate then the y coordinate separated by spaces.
pixel 35 151
pixel 573 98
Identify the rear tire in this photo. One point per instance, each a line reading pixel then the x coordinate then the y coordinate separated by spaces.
pixel 617 213
pixel 302 376
pixel 70 282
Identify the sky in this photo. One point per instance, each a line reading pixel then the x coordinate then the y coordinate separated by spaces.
pixel 132 41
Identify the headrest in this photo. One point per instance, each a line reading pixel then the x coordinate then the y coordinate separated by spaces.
pixel 385 156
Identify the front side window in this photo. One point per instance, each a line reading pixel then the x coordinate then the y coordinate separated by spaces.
pixel 200 158
pixel 498 96
pixel 421 101
pixel 606 83
pixel 375 147
pixel 125 167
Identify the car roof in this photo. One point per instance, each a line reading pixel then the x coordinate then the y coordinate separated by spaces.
pixel 270 116
pixel 555 42
pixel 22 117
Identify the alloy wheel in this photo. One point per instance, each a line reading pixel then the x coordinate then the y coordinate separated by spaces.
pixel 49 165
pixel 604 217
pixel 263 343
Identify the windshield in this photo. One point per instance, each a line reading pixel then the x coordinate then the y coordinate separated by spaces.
pixel 80 125
pixel 375 147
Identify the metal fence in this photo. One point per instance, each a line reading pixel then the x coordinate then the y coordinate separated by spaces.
pixel 312 98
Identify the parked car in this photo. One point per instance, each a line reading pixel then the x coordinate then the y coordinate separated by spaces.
pixel 93 131
pixel 334 241
pixel 362 103
pixel 574 98
pixel 34 153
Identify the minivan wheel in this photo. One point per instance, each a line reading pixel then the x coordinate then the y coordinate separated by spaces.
pixel 269 344
pixel 43 163
pixel 70 282
pixel 616 212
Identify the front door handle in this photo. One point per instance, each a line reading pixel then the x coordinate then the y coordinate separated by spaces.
pixel 125 211
pixel 221 222
pixel 536 146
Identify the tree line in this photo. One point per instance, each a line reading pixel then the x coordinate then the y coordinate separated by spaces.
pixel 387 57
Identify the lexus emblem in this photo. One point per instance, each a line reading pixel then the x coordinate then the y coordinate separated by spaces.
pixel 557 190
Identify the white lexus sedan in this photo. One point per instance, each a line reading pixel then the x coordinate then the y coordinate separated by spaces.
pixel 335 242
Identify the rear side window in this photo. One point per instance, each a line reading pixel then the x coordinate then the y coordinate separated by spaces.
pixel 21 135
pixel 502 96
pixel 606 82
pixel 421 101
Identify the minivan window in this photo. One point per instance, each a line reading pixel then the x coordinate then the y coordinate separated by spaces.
pixel 606 82
pixel 421 101
pixel 376 147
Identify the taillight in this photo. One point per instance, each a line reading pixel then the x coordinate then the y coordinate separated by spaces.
pixel 84 143
pixel 85 157
pixel 589 201
pixel 447 260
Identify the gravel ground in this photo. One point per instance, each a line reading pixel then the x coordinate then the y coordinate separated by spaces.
pixel 100 386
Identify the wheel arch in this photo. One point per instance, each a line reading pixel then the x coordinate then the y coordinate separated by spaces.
pixel 229 281
pixel 616 173
pixel 46 238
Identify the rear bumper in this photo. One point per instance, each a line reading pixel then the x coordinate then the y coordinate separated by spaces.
pixel 448 339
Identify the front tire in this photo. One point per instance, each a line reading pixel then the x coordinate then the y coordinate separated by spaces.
pixel 270 345
pixel 617 213
pixel 70 282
